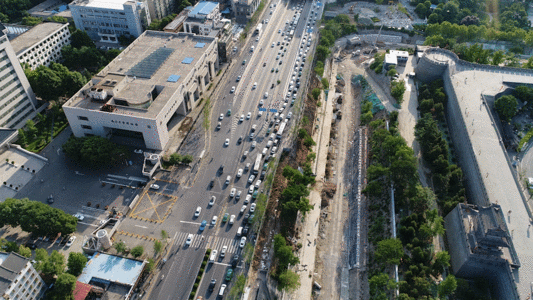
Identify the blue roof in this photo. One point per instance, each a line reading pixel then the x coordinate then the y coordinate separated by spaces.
pixel 203 8
pixel 62 8
pixel 173 78
pixel 187 60
pixel 112 268
pixel 199 45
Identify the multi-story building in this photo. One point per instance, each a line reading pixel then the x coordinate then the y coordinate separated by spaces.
pixel 159 75
pixel 203 18
pixel 244 9
pixel 160 8
pixel 18 278
pixel 106 21
pixel 17 100
pixel 42 44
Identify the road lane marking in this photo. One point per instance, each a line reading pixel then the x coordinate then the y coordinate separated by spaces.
pixel 141 226
pixel 194 223
pixel 87 224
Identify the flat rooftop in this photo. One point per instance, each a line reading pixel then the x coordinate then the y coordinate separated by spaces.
pixel 108 4
pixel 203 8
pixel 112 268
pixel 154 66
pixel 34 35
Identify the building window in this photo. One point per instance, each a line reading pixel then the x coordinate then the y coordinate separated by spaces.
pixel 83 118
pixel 86 127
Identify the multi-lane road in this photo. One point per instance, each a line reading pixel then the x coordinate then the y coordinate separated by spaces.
pixel 260 70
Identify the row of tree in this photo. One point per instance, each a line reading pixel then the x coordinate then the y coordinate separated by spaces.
pixel 333 29
pixel 36 217
pixel 95 151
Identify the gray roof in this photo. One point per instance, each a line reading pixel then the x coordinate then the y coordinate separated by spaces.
pixel 2 28
pixel 6 135
pixel 10 265
pixel 33 36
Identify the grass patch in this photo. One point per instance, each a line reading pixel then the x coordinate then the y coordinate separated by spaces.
pixel 207 112
pixel 375 19
pixel 525 139
pixel 238 288
pixel 35 136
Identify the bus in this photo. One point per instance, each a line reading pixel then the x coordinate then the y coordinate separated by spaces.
pixel 258 29
pixel 257 164
pixel 280 130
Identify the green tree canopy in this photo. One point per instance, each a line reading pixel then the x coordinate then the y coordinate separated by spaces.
pixel 64 287
pixel 288 280
pixel 389 251
pixel 31 21
pixel 80 38
pixel 95 151
pixel 447 286
pixel 506 107
pixel 52 265
pixel 137 251
pixel 76 263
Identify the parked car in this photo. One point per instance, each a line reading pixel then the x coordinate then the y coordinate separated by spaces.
pixel 71 241
pixel 197 212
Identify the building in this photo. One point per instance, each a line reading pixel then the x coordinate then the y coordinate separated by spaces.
pixel 395 58
pixel 51 8
pixel 203 18
pixel 490 177
pixel 17 100
pixel 160 8
pixel 18 278
pixel 177 24
pixel 42 44
pixel 110 277
pixel 159 75
pixel 106 21
pixel 244 9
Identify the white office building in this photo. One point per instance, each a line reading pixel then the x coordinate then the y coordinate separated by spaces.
pixel 17 100
pixel 203 18
pixel 41 44
pixel 106 20
pixel 18 278
pixel 159 75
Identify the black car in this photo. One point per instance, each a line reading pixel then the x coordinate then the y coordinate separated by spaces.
pixel 32 246
pixel 245 218
pixel 212 183
pixel 239 140
pixel 245 230
pixel 212 285
pixel 235 261
pixel 263 174
pixel 50 199
pixel 221 169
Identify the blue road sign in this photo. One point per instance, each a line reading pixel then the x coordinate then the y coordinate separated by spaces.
pixel 272 110
pixel 262 109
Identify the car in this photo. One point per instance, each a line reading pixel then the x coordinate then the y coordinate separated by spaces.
pixel 254 196
pixel 243 209
pixel 228 179
pixel 32 246
pixel 266 95
pixel 221 117
pixel 238 196
pixel 252 207
pixel 242 243
pixel 249 115
pixel 229 275
pixel 272 71
pixel 244 62
pixel 239 140
pixel 225 218
pixel 257 39
pixel 241 119
pixel 238 78
pixel 245 230
pixel 251 179
pixel 260 114
pixel 213 255
pixel 254 143
pixel 188 241
pixel 202 225
pixel 219 125
pixel 235 261
pixel 254 127
pixel 274 149
pixel 261 102
pixel 229 112
pixel 280 62
pixel 197 212
pixel 248 198
pixel 265 151
pixel 258 183
pixel 222 290
pixel 251 219
pixel 264 64
pixel 212 201
pixel 78 216
pixel 138 151
pixel 223 251
pixel 277 57
pixel 232 193
pixel 239 173
pixel 226 143
pixel 154 186
pixel 214 220
pixel 254 86
pixel 247 167
pixel 232 219
pixel 252 135
pixel 289 115
pixel 251 189
pixel 263 174
pixel 245 154
pixel 212 183
pixel 212 285
pixel 279 30
pixel 273 45
pixel 277 70
pixel 71 241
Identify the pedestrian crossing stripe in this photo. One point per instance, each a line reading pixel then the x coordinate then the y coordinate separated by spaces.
pixel 209 242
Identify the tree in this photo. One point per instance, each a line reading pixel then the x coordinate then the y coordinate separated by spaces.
pixel 76 262
pixel 57 19
pixel 447 286
pixel 422 200
pixel 389 251
pixel 421 10
pixel 316 93
pixel 322 52
pixel 44 82
pixel 397 90
pixel 80 38
pixel 325 83
pixel 64 287
pixel 158 246
pixel 392 71
pixel 288 281
pixel 506 107
pixel 24 251
pixel 95 151
pixel 120 247
pixel 366 117
pixel 137 251
pixel 187 159
pixel 283 253
pixel 442 260
pixel 379 285
pixel 497 58
pixel 54 264
pixel 31 21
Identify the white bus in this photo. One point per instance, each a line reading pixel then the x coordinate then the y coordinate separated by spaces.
pixel 258 29
pixel 280 130
pixel 257 164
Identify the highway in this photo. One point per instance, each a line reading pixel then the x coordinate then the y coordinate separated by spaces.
pixel 184 261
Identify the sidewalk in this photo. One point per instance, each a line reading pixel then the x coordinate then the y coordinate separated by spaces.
pixel 309 233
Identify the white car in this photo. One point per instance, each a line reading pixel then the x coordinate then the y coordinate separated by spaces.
pixel 79 217
pixel 138 151
pixel 257 184
pixel 274 149
pixel 252 208
pixel 249 115
pixel 254 127
pixel 266 95
pixel 238 196
pixel 251 179
pixel 232 193
pixel 223 252
pixel 243 209
pixel 71 241
pixel 248 198
pixel 243 242
pixel 189 239
pixel 232 219
pixel 221 117
pixel 239 173
pixel 226 143
pixel 241 119
pixel 254 86
pixel 213 255
pixel 153 186
pixel 214 220
pixel 212 201
pixel 254 143
pixel 260 114
pixel 198 211
pixel 289 115
pixel 257 39
pixel 228 179
pixel 251 189
pixel 232 90
pixel 273 45
pixel 261 102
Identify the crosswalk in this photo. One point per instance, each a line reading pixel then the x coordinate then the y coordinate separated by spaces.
pixel 209 242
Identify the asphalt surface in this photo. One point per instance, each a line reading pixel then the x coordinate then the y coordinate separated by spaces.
pixel 191 186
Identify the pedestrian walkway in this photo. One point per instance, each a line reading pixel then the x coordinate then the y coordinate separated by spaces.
pixel 213 242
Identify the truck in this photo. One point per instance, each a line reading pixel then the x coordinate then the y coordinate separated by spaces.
pixel 258 29
pixel 280 130
pixel 257 164
pixel 291 33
